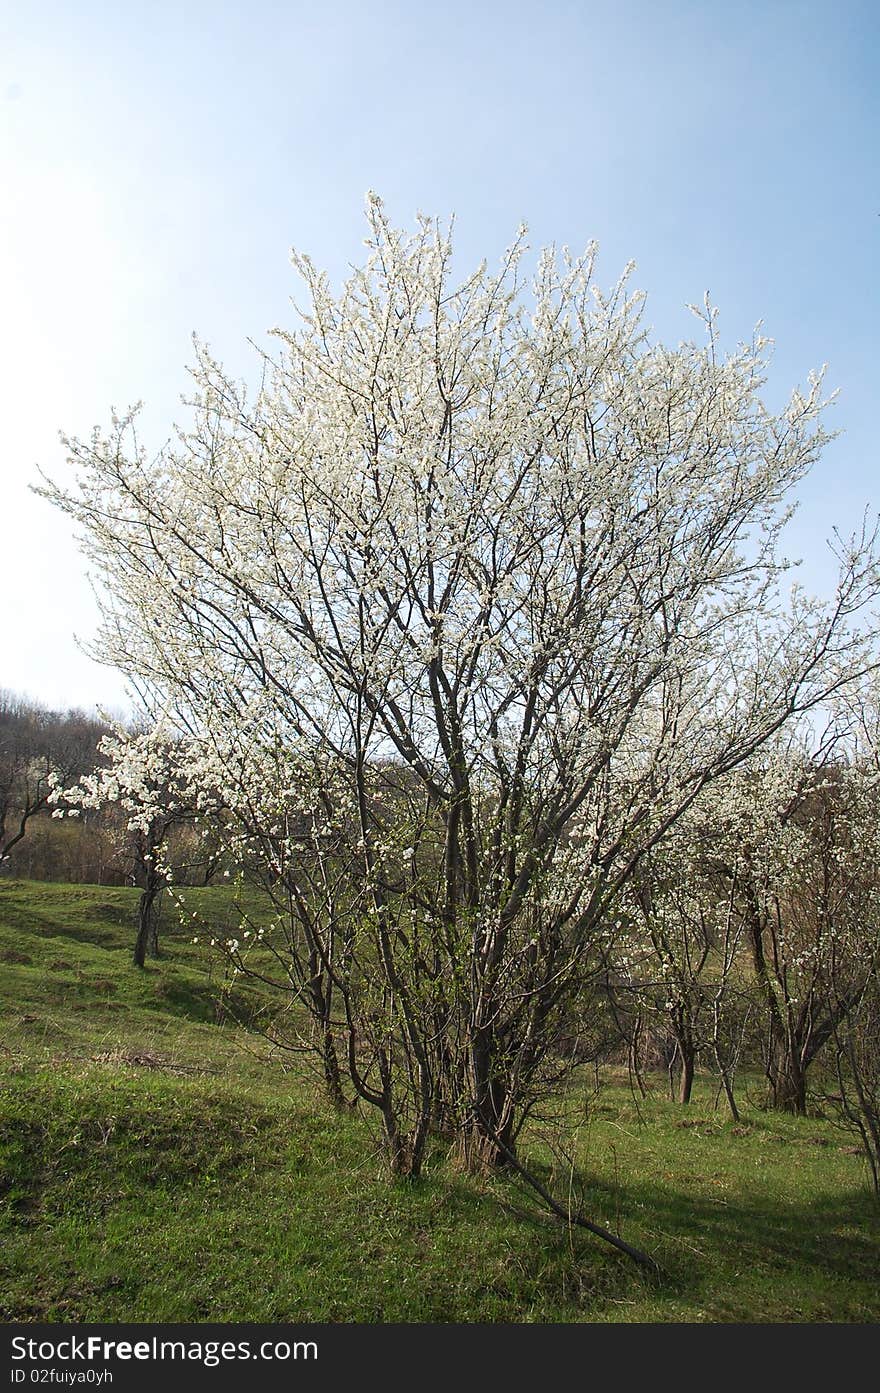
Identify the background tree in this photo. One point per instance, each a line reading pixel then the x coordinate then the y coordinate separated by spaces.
pixel 679 958
pixel 802 859
pixel 851 966
pixel 146 774
pixel 856 1042
pixel 490 537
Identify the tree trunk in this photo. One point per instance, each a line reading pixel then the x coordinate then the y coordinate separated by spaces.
pixel 725 1071
pixel 788 1084
pixel 332 1072
pixel 686 1076
pixel 784 1069
pixel 321 1003
pixel 491 1143
pixel 147 940
pixel 634 1057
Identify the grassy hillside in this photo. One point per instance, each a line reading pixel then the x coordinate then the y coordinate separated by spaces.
pixel 156 1163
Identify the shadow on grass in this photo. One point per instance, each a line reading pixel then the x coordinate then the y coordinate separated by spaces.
pixel 833 1236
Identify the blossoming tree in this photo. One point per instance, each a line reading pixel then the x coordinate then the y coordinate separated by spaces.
pixel 151 777
pixel 466 605
pixel 768 885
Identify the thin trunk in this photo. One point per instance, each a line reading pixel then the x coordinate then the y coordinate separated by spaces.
pixel 720 1063
pixel 147 940
pixel 634 1059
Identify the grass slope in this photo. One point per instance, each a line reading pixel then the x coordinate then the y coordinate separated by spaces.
pixel 158 1165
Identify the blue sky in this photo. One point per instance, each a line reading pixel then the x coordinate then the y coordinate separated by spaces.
pixel 159 160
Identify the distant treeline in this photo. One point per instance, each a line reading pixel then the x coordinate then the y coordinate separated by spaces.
pixel 97 847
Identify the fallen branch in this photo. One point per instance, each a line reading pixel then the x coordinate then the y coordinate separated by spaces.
pixel 643 1259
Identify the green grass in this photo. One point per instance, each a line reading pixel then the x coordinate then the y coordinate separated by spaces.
pixel 156 1165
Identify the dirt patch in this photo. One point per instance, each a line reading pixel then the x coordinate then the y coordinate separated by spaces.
pixel 145 1059
pixel 135 1059
pixel 103 985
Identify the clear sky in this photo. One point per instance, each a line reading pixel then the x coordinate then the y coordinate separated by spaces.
pixel 158 160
